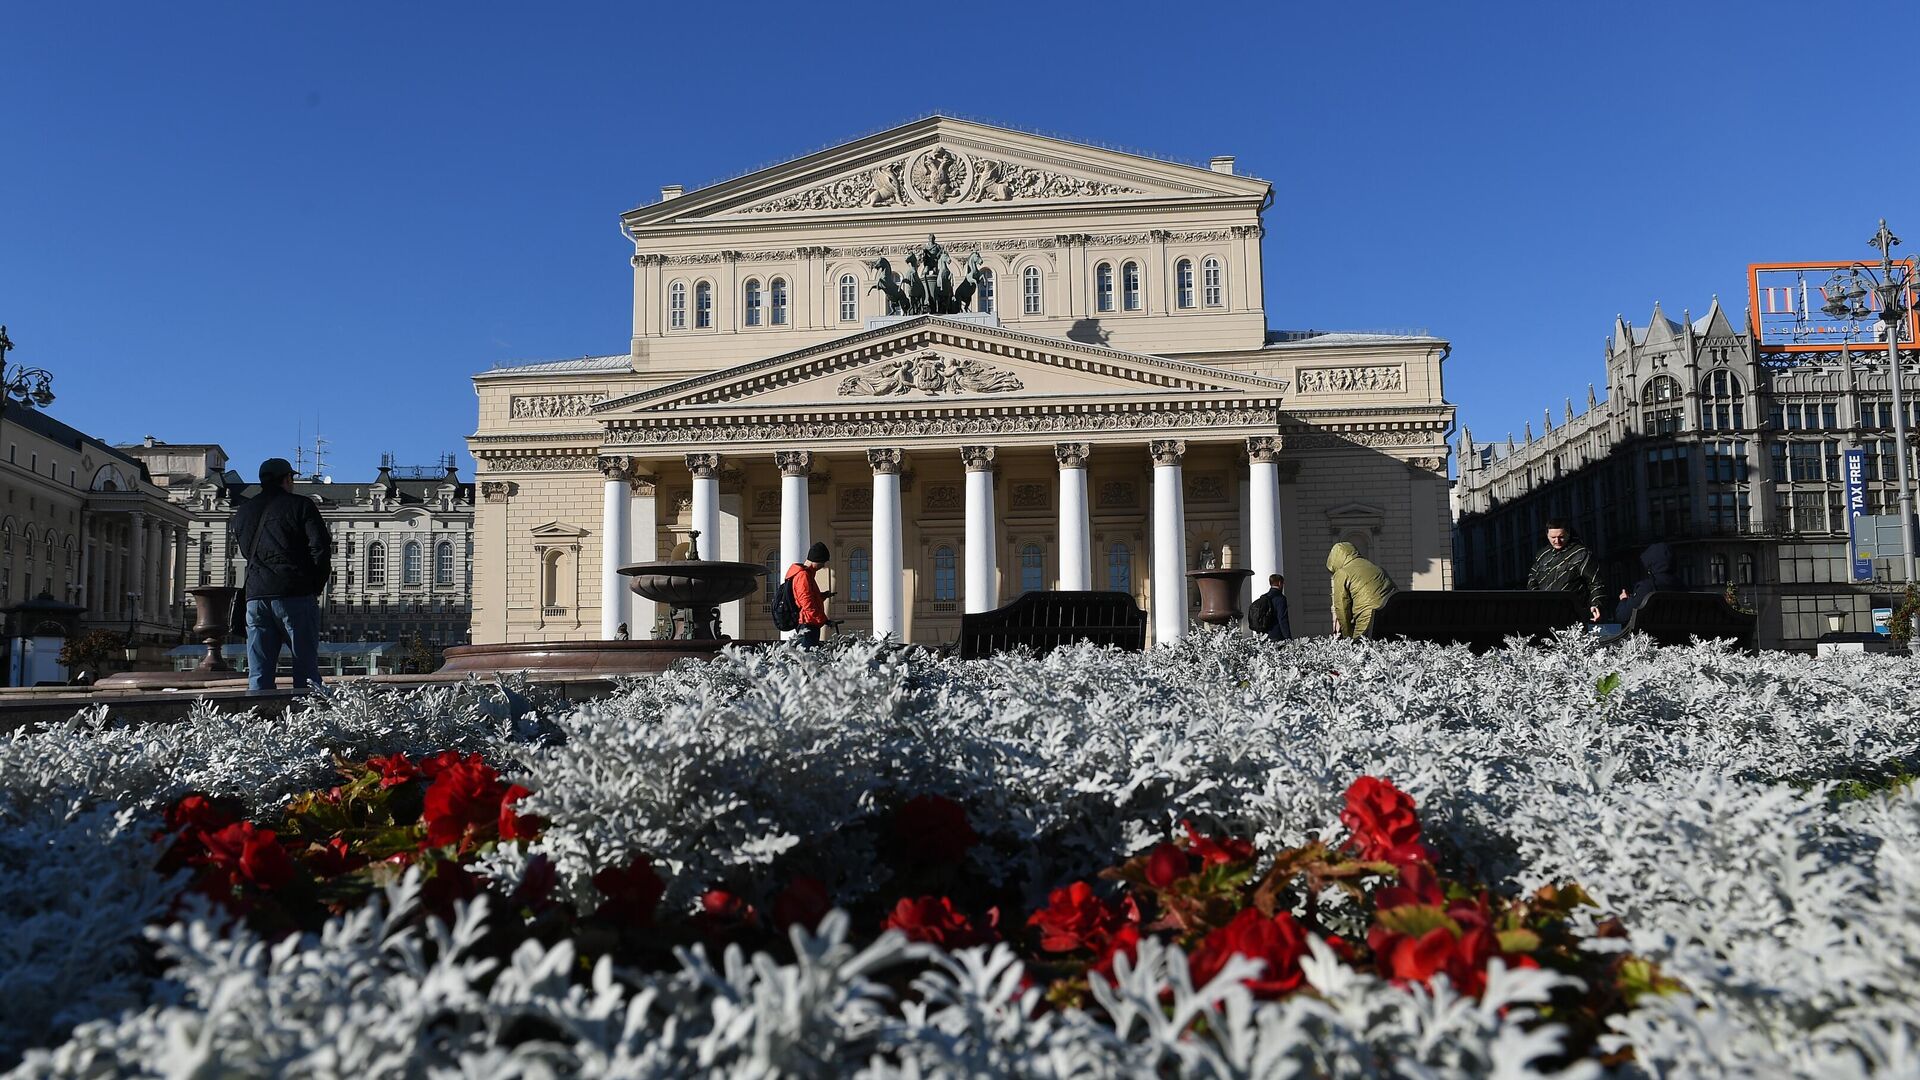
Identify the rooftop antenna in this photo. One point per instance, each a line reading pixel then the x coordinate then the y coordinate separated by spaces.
pixel 320 445
pixel 300 449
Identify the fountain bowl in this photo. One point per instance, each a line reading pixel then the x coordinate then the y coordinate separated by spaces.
pixel 693 583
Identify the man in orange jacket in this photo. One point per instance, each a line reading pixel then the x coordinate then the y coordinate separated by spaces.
pixel 807 595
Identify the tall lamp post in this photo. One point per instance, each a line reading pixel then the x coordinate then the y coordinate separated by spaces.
pixel 31 386
pixel 1857 292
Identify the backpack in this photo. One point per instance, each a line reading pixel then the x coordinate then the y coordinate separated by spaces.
pixel 786 610
pixel 1260 615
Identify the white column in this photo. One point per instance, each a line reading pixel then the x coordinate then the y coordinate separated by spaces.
pixel 796 522
pixel 1076 528
pixel 1263 510
pixel 887 613
pixel 983 586
pixel 1169 542
pixel 615 531
pixel 644 530
pixel 706 502
pixel 137 564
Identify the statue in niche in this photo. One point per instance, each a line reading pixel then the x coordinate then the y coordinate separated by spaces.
pixel 929 287
pixel 1208 561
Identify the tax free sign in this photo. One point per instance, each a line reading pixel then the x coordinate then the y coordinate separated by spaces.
pixel 1856 509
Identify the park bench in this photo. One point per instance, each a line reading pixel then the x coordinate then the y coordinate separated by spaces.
pixel 1044 620
pixel 1479 619
pixel 1676 618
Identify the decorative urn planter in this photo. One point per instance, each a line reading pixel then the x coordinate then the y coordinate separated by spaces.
pixel 212 610
pixel 1219 594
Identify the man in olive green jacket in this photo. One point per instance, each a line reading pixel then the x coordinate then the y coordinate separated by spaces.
pixel 1359 588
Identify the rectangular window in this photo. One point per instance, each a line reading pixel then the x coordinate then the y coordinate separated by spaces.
pixel 1809 511
pixel 1829 416
pixel 1804 462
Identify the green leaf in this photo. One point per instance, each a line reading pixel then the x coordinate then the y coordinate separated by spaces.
pixel 1608 684
pixel 1519 941
pixel 1414 920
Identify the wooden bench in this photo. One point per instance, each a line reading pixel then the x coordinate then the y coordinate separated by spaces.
pixel 1676 618
pixel 1045 620
pixel 1479 619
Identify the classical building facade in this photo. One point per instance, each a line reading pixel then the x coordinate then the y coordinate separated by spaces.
pixel 1708 444
pixel 402 544
pixel 83 524
pixel 1113 410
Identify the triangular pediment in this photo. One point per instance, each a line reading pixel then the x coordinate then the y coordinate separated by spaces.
pixel 934 361
pixel 941 163
pixel 556 530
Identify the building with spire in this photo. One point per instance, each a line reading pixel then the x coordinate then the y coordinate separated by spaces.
pixel 1702 441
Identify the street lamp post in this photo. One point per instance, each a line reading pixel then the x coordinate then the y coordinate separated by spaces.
pixel 1855 293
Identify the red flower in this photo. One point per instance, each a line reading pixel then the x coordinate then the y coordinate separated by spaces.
pixel 1383 823
pixel 1166 864
pixel 394 770
pixel 517 826
pixel 431 767
pixel 333 858
pixel 1229 849
pixel 536 885
pixel 933 829
pixel 1458 942
pixel 1125 943
pixel 804 901
pixel 247 856
pixel 932 919
pixel 463 799
pixel 1278 941
pixel 1418 885
pixel 1075 918
pixel 630 893
pixel 449 884
pixel 724 914
pixel 197 813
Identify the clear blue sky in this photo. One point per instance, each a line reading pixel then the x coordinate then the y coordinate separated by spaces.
pixel 221 222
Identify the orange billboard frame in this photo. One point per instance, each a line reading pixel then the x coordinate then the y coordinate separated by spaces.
pixel 1785 319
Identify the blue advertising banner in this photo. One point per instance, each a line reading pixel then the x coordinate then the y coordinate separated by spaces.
pixel 1785 302
pixel 1856 509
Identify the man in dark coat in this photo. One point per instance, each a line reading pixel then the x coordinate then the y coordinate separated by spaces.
pixel 1565 565
pixel 1657 560
pixel 289 557
pixel 1268 615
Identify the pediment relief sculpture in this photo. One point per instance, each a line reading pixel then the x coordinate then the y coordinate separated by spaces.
pixel 932 374
pixel 939 176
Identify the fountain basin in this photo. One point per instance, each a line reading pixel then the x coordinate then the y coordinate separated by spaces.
pixel 694 582
pixel 1219 594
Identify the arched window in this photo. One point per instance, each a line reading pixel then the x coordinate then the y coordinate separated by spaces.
pixel 1660 405
pixel 552 577
pixel 1033 568
pixel 779 301
pixel 946 577
pixel 1744 568
pixel 1183 283
pixel 751 303
pixel 1210 282
pixel 703 306
pixel 983 299
pixel 773 569
pixel 1030 290
pixel 443 563
pixel 1130 286
pixel 1722 407
pixel 1119 568
pixel 206 559
pixel 410 563
pixel 677 306
pixel 859 577
pixel 376 565
pixel 849 298
pixel 1103 287
pixel 1717 569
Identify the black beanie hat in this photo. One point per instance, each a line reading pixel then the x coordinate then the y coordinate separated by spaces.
pixel 817 553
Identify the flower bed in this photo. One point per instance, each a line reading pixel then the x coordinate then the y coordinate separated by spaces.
pixel 1205 858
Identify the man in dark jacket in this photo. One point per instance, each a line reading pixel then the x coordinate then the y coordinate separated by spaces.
pixel 1565 565
pixel 1268 615
pixel 1657 560
pixel 289 558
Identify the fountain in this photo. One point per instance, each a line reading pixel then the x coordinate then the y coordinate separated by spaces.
pixel 692 588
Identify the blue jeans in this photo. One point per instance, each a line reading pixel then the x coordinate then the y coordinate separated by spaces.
pixel 292 621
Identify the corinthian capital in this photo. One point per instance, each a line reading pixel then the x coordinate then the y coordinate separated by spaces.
pixel 1262 448
pixel 497 491
pixel 886 459
pixel 793 462
pixel 703 466
pixel 1072 455
pixel 1167 451
pixel 615 466
pixel 977 458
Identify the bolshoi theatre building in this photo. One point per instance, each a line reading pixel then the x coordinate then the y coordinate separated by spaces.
pixel 1111 411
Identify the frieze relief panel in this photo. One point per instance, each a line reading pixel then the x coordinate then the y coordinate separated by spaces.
pixel 930 373
pixel 542 462
pixel 1117 495
pixel 1206 488
pixel 766 502
pixel 943 497
pixel 1029 496
pixel 939 177
pixel 856 500
pixel 547 406
pixel 1358 379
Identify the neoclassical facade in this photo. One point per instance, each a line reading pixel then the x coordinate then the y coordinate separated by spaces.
pixel 1113 412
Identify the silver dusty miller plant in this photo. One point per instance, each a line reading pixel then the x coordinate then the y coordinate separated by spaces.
pixel 1686 789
